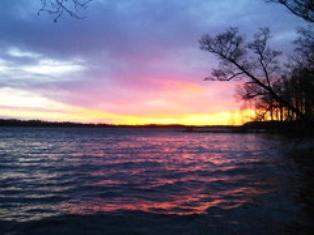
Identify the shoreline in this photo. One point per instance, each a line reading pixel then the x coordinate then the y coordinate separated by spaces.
pixel 267 127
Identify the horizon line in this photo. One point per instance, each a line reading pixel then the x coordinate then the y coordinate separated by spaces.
pixel 12 121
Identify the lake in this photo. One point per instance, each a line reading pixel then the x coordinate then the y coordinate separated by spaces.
pixel 150 181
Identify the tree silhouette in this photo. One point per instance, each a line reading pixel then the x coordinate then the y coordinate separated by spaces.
pixel 255 62
pixel 302 72
pixel 301 8
pixel 278 94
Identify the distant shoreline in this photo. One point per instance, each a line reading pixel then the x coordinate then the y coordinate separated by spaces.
pixel 286 128
pixel 39 123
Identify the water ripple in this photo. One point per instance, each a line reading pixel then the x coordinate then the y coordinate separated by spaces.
pixel 46 172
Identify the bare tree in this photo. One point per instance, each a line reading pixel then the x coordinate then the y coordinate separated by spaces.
pixel 302 72
pixel 254 62
pixel 59 7
pixel 304 56
pixel 301 8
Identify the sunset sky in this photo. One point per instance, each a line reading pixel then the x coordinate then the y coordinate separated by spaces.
pixel 127 62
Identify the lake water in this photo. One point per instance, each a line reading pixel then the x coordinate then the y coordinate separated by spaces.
pixel 150 181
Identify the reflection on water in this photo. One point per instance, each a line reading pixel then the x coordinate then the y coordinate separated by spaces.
pixel 54 172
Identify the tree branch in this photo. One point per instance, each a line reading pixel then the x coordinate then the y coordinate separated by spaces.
pixel 60 7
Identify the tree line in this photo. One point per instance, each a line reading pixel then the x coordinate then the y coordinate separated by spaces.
pixel 280 89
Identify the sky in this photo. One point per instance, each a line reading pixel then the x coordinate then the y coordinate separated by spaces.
pixel 127 61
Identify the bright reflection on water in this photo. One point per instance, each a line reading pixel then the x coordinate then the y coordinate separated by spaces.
pixel 51 172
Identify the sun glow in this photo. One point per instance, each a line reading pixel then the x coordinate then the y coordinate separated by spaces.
pixel 15 103
pixel 172 100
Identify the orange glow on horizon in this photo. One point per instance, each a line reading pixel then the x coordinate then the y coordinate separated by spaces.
pixel 25 105
pixel 96 116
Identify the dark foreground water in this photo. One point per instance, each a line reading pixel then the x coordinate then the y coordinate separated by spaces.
pixel 150 181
